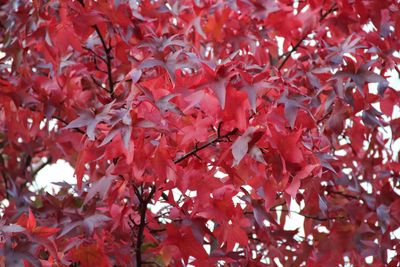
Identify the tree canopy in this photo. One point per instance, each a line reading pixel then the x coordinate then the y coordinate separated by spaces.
pixel 195 126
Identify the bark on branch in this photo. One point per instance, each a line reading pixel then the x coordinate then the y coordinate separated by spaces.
pixel 217 139
pixel 107 50
pixel 143 202
pixel 288 54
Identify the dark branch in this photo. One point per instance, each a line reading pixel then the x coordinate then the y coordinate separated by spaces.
pixel 5 180
pixel 66 123
pixel 108 60
pixel 217 139
pixel 107 51
pixel 330 192
pixel 288 54
pixel 97 83
pixel 143 202
pixel 95 54
pixel 44 164
pixel 4 174
pixel 309 216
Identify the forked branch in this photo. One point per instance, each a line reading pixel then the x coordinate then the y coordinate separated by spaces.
pixel 107 50
pixel 217 139
pixel 143 202
pixel 288 54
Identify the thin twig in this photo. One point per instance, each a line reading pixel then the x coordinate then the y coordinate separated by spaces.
pixel 44 164
pixel 108 60
pixel 309 216
pixel 217 139
pixel 288 54
pixel 5 184
pixel 97 83
pixel 66 123
pixel 342 194
pixel 107 51
pixel 278 205
pixel 95 54
pixel 4 174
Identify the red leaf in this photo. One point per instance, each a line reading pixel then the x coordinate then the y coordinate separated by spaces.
pixel 44 232
pixel 101 186
pixel 89 256
pixel 31 223
pixel 290 148
pixel 293 188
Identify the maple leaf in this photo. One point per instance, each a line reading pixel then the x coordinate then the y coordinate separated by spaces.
pixel 245 142
pixel 89 255
pixel 253 88
pixel 348 46
pixel 235 234
pixel 101 187
pixel 288 146
pixel 370 118
pixel 294 186
pixel 262 9
pixel 29 222
pixel 198 131
pixel 170 64
pixel 216 83
pixel 157 45
pixel 360 76
pixel 14 257
pixel 193 127
pixel 292 105
pixel 87 223
pixel 90 119
pixel 12 228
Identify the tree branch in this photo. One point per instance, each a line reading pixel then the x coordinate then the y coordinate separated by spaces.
pixel 5 180
pixel 309 216
pixel 143 202
pixel 38 169
pixel 66 123
pixel 95 54
pixel 107 51
pixel 108 60
pixel 4 174
pixel 97 83
pixel 217 139
pixel 342 194
pixel 288 54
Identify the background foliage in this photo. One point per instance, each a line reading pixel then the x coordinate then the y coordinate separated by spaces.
pixel 192 126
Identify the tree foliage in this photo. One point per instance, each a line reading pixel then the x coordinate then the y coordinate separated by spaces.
pixel 193 126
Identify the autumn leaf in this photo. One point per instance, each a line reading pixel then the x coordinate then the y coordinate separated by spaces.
pixel 245 142
pixel 89 255
pixel 194 127
pixel 29 222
